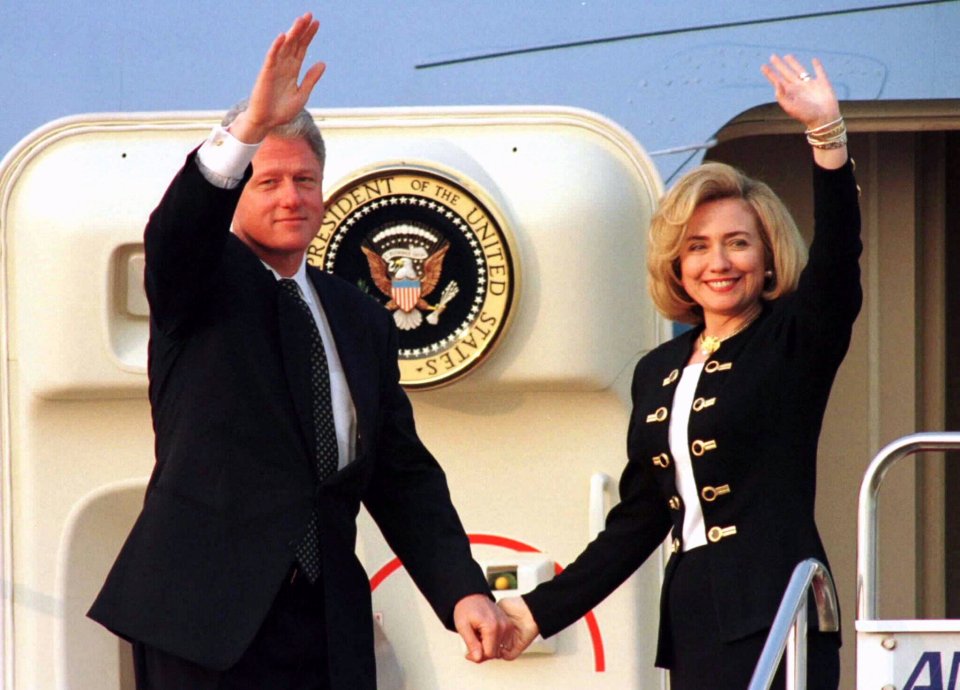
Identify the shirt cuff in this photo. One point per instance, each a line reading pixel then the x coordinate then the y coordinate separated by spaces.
pixel 223 158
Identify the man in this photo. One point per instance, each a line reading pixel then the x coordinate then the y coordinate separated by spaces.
pixel 277 409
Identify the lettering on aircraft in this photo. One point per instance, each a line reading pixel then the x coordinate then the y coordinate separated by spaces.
pixel 434 255
pixel 928 673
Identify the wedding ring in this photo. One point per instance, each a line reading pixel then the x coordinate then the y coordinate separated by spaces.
pixel 805 76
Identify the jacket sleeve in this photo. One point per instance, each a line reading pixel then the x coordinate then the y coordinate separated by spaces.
pixel 409 499
pixel 635 528
pixel 183 243
pixel 829 294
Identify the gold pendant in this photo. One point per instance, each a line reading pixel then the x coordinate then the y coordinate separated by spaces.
pixel 709 344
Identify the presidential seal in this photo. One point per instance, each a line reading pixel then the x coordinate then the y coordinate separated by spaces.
pixel 434 255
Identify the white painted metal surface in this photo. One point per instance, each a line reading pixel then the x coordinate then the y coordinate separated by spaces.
pixel 519 438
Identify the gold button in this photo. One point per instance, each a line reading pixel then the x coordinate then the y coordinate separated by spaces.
pixel 658 416
pixel 662 460
pixel 713 365
pixel 699 447
pixel 671 377
pixel 701 403
pixel 717 533
pixel 676 545
pixel 710 493
pixel 674 503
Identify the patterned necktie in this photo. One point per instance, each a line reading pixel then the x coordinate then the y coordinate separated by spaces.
pixel 326 452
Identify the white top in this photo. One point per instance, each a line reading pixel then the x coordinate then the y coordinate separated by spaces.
pixel 694 531
pixel 222 160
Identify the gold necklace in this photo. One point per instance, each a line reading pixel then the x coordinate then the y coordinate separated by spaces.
pixel 708 344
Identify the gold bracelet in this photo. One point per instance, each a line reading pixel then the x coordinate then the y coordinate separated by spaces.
pixel 829 125
pixel 825 145
pixel 830 134
pixel 841 137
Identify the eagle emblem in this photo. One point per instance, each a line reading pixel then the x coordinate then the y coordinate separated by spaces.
pixel 406 262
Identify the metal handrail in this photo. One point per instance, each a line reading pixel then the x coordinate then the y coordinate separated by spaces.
pixel 867 509
pixel 789 629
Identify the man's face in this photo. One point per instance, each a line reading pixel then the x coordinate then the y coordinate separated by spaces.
pixel 281 207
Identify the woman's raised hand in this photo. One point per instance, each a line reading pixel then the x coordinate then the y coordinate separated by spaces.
pixel 811 100
pixel 807 98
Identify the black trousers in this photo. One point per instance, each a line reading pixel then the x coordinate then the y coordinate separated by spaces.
pixel 702 661
pixel 289 651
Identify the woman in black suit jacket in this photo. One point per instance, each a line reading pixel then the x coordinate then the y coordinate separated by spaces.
pixel 726 417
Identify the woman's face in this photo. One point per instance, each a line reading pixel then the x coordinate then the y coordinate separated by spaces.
pixel 722 258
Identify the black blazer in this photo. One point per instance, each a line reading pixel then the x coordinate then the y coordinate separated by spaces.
pixel 753 435
pixel 233 486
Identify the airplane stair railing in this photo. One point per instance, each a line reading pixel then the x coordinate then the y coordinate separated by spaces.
pixel 789 629
pixel 899 654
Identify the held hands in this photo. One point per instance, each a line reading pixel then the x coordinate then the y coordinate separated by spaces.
pixel 277 96
pixel 500 631
pixel 483 627
pixel 524 631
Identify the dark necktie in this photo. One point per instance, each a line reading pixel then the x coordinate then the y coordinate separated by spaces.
pixel 325 450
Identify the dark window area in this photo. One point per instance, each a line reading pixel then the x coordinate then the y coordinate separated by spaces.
pixel 952 533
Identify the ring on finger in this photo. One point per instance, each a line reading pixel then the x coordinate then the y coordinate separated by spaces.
pixel 805 76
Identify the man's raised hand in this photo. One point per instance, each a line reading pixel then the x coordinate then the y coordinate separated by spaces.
pixel 278 94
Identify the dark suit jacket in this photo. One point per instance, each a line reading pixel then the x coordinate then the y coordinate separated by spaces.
pixel 762 399
pixel 233 486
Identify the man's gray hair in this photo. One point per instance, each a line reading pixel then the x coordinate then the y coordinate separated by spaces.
pixel 300 127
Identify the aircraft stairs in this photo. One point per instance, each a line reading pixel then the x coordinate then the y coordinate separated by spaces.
pixel 891 654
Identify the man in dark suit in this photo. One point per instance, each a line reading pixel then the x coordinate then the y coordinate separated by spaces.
pixel 277 410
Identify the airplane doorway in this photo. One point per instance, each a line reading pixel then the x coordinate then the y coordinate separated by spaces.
pixel 901 374
pixel 952 483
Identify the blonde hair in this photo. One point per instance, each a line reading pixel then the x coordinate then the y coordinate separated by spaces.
pixel 785 252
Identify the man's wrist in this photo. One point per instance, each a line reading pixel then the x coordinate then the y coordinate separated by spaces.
pixel 223 159
pixel 246 131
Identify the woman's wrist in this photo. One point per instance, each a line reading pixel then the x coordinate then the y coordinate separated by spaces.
pixel 824 119
pixel 829 135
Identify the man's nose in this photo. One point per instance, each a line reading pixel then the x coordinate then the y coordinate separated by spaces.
pixel 289 194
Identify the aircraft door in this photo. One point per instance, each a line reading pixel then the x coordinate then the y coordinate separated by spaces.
pixel 522 311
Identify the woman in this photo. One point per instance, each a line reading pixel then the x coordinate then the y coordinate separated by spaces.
pixel 723 436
